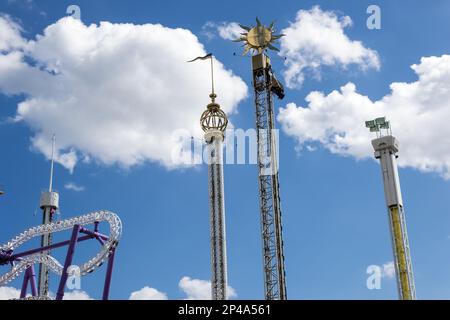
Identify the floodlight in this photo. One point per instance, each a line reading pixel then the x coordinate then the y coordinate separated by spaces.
pixel 385 125
pixel 370 124
pixel 380 121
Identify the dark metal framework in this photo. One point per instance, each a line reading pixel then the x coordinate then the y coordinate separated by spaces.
pixel 265 85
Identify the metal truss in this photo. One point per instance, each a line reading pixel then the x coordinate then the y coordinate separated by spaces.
pixel 271 227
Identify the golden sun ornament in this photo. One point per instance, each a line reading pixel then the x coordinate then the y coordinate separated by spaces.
pixel 259 38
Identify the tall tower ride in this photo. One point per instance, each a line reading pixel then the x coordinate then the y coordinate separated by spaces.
pixel 49 204
pixel 386 148
pixel 266 85
pixel 214 123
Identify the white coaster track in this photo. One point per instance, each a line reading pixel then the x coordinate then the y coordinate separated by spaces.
pixel 115 231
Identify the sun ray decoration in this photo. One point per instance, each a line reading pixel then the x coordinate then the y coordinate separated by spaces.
pixel 259 38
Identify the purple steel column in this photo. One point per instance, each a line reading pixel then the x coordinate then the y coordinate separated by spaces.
pixel 29 277
pixel 32 278
pixel 23 292
pixel 108 275
pixel 68 262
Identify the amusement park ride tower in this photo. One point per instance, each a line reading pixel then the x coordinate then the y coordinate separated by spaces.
pixel 257 40
pixel 386 148
pixel 214 123
pixel 23 260
pixel 49 204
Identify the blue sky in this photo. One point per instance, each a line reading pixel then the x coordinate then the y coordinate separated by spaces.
pixel 334 217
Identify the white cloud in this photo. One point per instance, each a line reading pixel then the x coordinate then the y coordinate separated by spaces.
pixel 209 30
pixel 419 113
pixel 388 270
pixel 74 187
pixel 316 39
pixel 193 288
pixel 229 30
pixel 114 93
pixel 196 289
pixel 8 293
pixel 148 293
pixel 225 30
pixel 10 37
pixel 76 295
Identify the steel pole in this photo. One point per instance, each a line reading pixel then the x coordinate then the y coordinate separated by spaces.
pixel 214 139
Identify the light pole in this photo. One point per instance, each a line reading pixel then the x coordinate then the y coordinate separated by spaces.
pixel 386 148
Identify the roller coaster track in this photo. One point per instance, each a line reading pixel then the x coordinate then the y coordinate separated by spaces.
pixel 22 261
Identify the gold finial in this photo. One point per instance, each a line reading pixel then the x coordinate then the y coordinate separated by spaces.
pixel 213 118
pixel 259 38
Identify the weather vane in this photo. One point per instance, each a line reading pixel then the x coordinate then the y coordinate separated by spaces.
pixel 259 38
pixel 213 117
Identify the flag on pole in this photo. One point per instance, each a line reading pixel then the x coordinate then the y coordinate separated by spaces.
pixel 208 56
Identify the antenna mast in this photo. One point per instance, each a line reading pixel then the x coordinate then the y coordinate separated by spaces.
pixel 49 204
pixel 50 186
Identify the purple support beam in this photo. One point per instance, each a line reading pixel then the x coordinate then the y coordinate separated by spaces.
pixel 51 247
pixel 95 234
pixel 32 278
pixel 29 278
pixel 68 262
pixel 108 275
pixel 26 277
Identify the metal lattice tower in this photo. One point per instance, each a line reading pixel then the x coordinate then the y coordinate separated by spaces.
pixel 214 123
pixel 49 204
pixel 266 85
pixel 386 148
pixel 217 215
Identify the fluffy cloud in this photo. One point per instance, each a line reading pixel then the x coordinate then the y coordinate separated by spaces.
pixel 388 270
pixel 74 187
pixel 419 113
pixel 10 37
pixel 8 293
pixel 229 30
pixel 112 93
pixel 148 293
pixel 76 295
pixel 225 30
pixel 196 289
pixel 316 39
